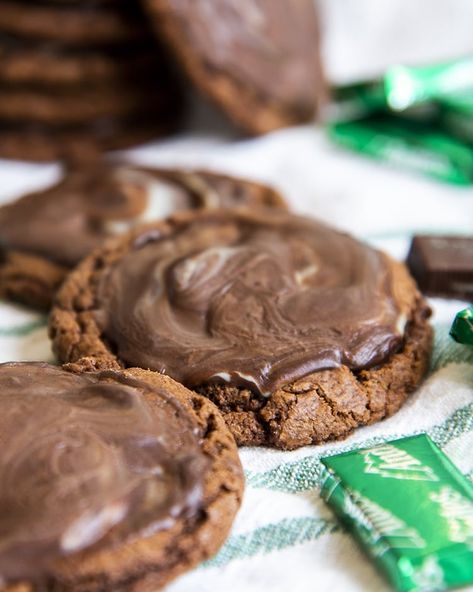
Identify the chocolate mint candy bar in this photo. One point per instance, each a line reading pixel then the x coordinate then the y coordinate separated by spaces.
pixel 411 509
pixel 443 265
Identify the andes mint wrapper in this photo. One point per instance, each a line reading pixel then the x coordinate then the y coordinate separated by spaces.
pixel 461 102
pixel 456 115
pixel 406 86
pixel 408 144
pixel 356 100
pixel 462 327
pixel 458 124
pixel 410 507
pixel 402 88
pixel 360 100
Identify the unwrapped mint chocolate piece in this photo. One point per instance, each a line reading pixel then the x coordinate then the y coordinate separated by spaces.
pixel 462 328
pixel 443 265
pixel 410 507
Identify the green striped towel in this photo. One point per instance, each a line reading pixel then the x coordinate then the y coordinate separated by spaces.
pixel 285 538
pixel 284 530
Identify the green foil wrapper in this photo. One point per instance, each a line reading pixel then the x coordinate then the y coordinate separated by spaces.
pixel 357 100
pixel 411 509
pixel 462 328
pixel 461 102
pixel 408 144
pixel 406 86
pixel 457 124
pixel 402 88
pixel 456 115
pixel 363 99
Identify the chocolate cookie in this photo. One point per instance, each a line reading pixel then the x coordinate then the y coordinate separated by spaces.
pixel 82 3
pixel 297 332
pixel 83 142
pixel 44 234
pixel 69 107
pixel 42 64
pixel 145 473
pixel 258 59
pixel 72 24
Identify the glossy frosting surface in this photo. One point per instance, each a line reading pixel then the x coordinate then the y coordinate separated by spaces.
pixel 248 299
pixel 271 45
pixel 88 460
pixel 67 221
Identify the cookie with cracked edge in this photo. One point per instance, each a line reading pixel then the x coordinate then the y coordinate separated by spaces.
pixel 69 23
pixel 298 333
pixel 257 59
pixel 136 511
pixel 45 234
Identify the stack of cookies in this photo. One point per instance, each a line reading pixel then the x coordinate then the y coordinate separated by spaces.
pixel 80 76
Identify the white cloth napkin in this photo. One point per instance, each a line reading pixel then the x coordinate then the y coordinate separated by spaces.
pixel 361 38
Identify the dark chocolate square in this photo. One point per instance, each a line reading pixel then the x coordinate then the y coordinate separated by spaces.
pixel 443 265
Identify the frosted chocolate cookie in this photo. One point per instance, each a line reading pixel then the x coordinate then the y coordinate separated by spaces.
pixel 44 234
pixel 258 59
pixel 145 474
pixel 299 333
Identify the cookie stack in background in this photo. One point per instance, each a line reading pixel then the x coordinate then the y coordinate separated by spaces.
pixel 80 76
pixel 258 61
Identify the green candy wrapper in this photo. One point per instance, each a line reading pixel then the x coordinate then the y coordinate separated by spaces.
pixel 411 509
pixel 461 102
pixel 405 87
pixel 357 100
pixel 361 100
pixel 462 328
pixel 456 115
pixel 458 124
pixel 408 144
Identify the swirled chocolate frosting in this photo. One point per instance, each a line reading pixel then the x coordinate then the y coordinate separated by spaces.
pixel 88 460
pixel 248 299
pixel 67 221
pixel 270 45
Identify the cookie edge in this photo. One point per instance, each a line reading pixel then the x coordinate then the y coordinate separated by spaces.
pixel 95 571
